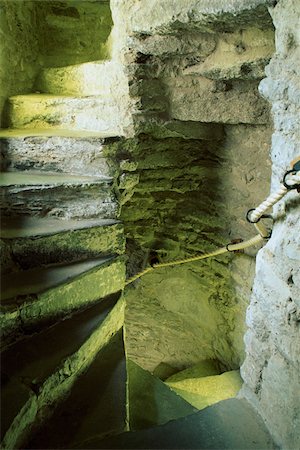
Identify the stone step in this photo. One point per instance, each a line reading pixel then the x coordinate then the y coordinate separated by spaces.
pixel 34 297
pixel 100 78
pixel 32 241
pixel 26 364
pixel 22 133
pixel 231 424
pixel 44 111
pixel 150 402
pixel 69 352
pixel 202 391
pixel 57 195
pixel 96 405
pixel 77 155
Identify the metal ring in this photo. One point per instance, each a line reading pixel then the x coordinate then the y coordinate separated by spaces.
pixel 234 242
pixel 248 218
pixel 231 251
pixel 289 188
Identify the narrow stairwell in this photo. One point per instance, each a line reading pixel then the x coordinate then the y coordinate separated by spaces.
pixel 67 380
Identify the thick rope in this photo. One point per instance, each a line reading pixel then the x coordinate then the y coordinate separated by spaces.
pixel 229 248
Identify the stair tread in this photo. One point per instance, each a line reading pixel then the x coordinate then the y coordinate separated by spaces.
pixel 44 96
pixel 95 407
pixel 41 279
pixel 35 226
pixel 150 401
pixel 230 424
pixel 6 133
pixel 38 178
pixel 27 363
pixel 96 63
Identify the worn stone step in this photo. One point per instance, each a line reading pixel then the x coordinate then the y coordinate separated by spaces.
pixel 57 195
pixel 28 363
pixel 53 111
pixel 202 391
pixel 77 155
pixel 51 381
pixel 33 241
pixel 96 405
pixel 150 402
pixel 100 78
pixel 231 424
pixel 34 297
pixel 22 133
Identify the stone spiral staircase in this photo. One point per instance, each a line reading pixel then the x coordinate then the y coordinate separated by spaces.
pixel 61 240
pixel 66 381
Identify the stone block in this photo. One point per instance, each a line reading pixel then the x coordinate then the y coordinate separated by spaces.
pixel 179 129
pixel 204 100
pixel 243 55
pixel 178 44
pixel 204 15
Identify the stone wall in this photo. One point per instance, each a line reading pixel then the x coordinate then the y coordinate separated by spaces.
pixel 198 162
pixel 271 369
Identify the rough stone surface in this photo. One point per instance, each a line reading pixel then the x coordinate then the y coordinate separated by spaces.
pixel 56 154
pixel 57 195
pixel 271 368
pixel 195 14
pixel 204 100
